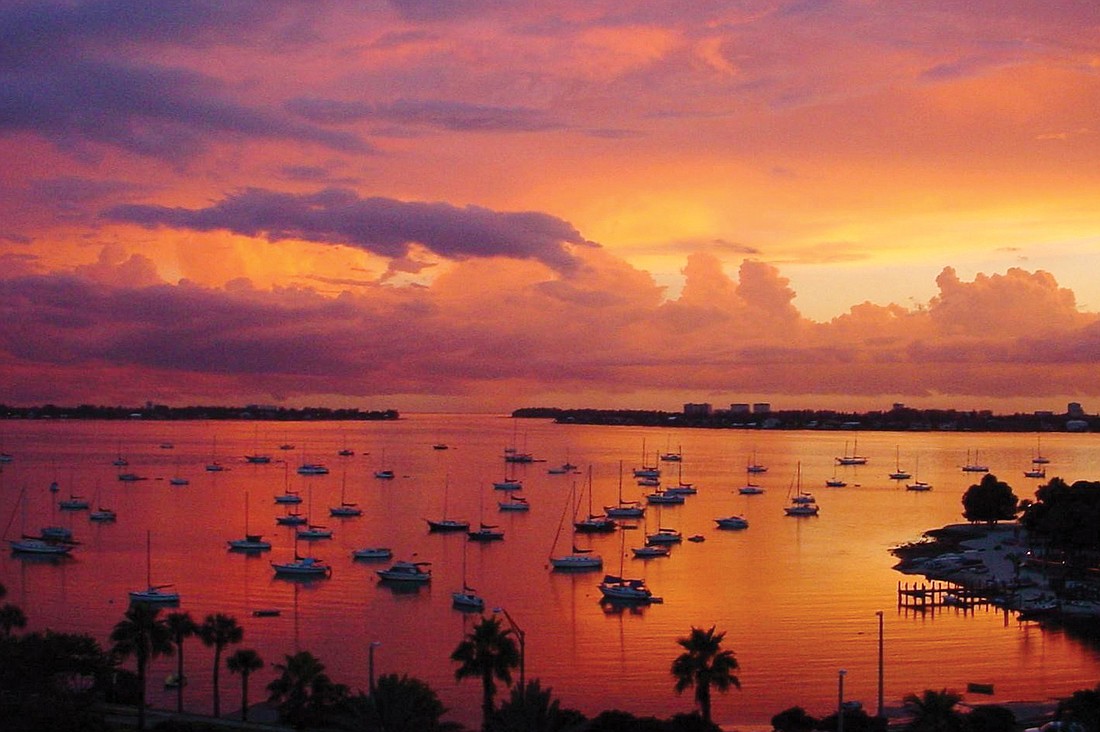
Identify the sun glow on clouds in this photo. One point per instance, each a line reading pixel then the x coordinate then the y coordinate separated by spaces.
pixel 479 204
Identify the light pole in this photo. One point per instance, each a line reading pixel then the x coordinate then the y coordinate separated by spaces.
pixel 881 709
pixel 522 648
pixel 370 665
pixel 840 700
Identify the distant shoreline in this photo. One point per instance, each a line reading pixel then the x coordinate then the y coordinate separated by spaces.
pixel 899 419
pixel 161 412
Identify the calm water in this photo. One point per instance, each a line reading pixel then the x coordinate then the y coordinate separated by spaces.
pixel 797 597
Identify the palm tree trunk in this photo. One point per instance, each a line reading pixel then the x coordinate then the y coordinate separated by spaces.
pixel 704 701
pixel 141 692
pixel 217 668
pixel 179 680
pixel 244 696
pixel 486 699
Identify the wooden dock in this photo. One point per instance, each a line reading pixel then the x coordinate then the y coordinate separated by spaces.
pixel 923 596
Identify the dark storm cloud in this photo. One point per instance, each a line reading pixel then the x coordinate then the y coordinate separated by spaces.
pixel 64 74
pixel 383 226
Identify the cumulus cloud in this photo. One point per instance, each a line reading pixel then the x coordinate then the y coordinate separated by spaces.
pixel 606 329
pixel 383 226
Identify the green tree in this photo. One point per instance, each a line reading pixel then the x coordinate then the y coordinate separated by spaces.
pixel 488 653
pixel 990 501
pixel 398 704
pixel 181 626
pixel 704 664
pixel 244 661
pixel 534 709
pixel 304 693
pixel 934 711
pixel 794 719
pixel 144 635
pixel 219 630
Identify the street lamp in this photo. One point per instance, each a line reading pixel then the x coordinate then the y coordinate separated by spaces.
pixel 522 647
pixel 881 709
pixel 840 700
pixel 370 664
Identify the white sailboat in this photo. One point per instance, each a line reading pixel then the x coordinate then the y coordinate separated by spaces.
pixel 345 509
pixel 976 466
pixel 445 523
pixel 917 484
pixel 467 598
pixel 251 542
pixel 594 523
pixel 853 458
pixel 898 473
pixel 616 588
pixel 50 544
pixel 802 503
pixel 579 559
pixel 302 566
pixel 624 509
pixel 157 594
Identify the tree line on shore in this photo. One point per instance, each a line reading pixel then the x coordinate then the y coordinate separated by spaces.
pixel 59 681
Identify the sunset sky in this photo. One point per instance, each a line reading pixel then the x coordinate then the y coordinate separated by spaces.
pixel 479 205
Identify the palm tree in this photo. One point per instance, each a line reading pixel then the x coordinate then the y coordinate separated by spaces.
pixel 143 635
pixel 181 626
pixel 398 704
pixel 704 664
pixel 219 631
pixel 304 692
pixel 488 653
pixel 11 617
pixel 244 661
pixel 934 711
pixel 532 708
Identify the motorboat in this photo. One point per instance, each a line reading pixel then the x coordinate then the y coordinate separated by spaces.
pixel 345 509
pixel 372 552
pixel 579 559
pixel 802 509
pixel 664 497
pixel 595 523
pixel 384 474
pixel 448 525
pixel 1036 472
pixel 130 477
pixel 73 503
pixel 732 522
pixel 651 551
pixel 750 489
pixel 312 469
pixel 103 514
pixel 415 572
pixel 467 599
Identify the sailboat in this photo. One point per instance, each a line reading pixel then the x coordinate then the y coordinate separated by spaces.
pixel 257 457
pixel 752 466
pixel 345 508
pixel 102 513
pixel 682 488
pixel 616 588
pixel 646 471
pixel 594 523
pixel 214 466
pixel 153 593
pixel 580 559
pixel 802 504
pixel 898 473
pixel 918 485
pixel 836 481
pixel 854 458
pixel 672 457
pixel 250 542
pixel 657 544
pixel 466 598
pixel 384 473
pixel 447 524
pixel 508 482
pixel 313 531
pixel 484 531
pixel 514 503
pixel 120 461
pixel 287 496
pixel 178 479
pixel 624 509
pixel 1039 458
pixel 58 544
pixel 302 566
pixel 974 467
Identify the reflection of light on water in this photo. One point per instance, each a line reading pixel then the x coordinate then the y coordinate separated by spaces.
pixel 796 597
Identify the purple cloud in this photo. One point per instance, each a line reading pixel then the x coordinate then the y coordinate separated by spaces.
pixel 383 226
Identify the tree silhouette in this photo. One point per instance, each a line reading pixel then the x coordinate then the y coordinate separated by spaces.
pixel 990 501
pixel 244 661
pixel 141 634
pixel 398 704
pixel 306 696
pixel 181 626
pixel 11 617
pixel 704 664
pixel 488 653
pixel 219 630
pixel 934 711
pixel 534 709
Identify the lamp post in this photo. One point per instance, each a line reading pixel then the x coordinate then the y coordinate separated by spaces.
pixel 840 700
pixel 370 665
pixel 522 647
pixel 881 708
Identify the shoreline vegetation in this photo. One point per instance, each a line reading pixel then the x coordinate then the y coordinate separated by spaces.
pixel 899 418
pixel 162 412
